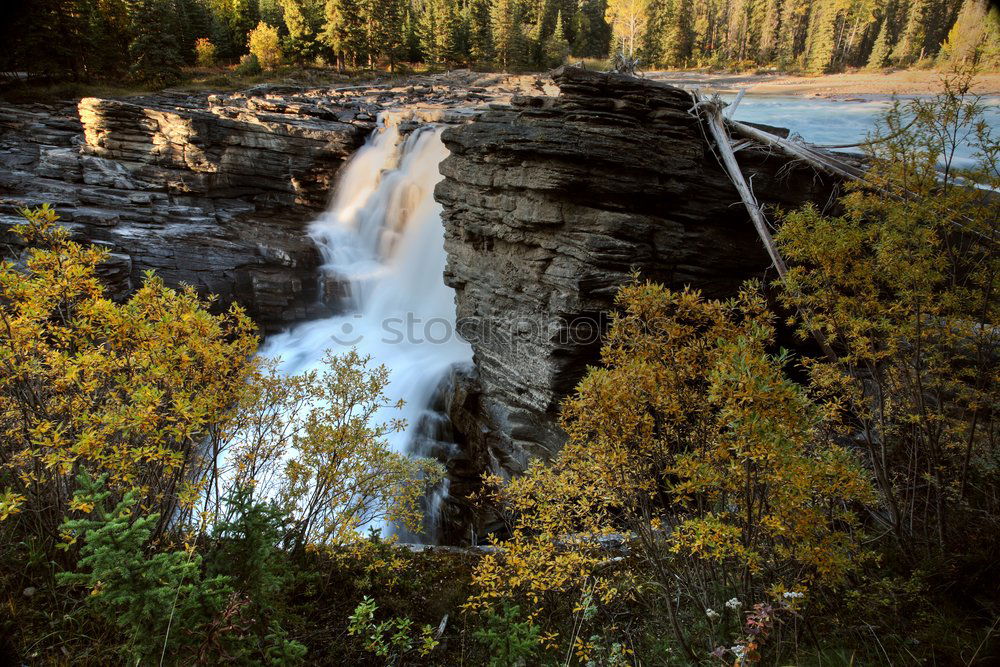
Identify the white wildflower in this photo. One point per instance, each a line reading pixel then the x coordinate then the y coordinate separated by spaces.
pixel 733 603
pixel 739 651
pixel 712 614
pixel 793 595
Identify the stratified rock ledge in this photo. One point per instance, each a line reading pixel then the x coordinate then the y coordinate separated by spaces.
pixel 551 204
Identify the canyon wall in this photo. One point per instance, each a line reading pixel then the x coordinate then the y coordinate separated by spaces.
pixel 552 203
pixel 212 190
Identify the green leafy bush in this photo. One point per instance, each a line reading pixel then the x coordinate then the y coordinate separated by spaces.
pixel 508 639
pixel 249 66
pixel 159 601
pixel 392 639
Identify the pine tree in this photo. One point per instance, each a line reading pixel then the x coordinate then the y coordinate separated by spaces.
pixel 411 35
pixel 508 39
pixel 271 12
pixel 678 40
pixel 480 31
pixel 768 30
pixel 344 31
pixel 659 17
pixel 911 45
pixel 383 29
pixel 792 38
pixel 966 35
pixel 988 55
pixel 140 593
pixel 556 46
pixel 881 49
pixel 438 31
pixel 153 50
pixel 593 34
pixel 303 19
pixel 738 30
pixel 821 37
pixel 537 34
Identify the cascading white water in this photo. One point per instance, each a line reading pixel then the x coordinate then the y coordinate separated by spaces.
pixel 382 240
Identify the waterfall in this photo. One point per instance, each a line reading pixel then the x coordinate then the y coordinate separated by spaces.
pixel 382 244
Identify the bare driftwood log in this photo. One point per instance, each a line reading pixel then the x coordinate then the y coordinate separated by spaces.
pixel 711 112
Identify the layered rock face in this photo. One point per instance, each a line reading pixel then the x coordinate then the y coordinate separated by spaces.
pixel 200 190
pixel 215 191
pixel 550 204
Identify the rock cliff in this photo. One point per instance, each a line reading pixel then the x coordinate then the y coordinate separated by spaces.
pixel 213 190
pixel 552 203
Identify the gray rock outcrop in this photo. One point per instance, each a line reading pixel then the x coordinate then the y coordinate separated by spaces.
pixel 551 204
pixel 214 190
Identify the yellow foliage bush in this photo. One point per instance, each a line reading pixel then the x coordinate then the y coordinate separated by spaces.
pixel 903 284
pixel 718 473
pixel 168 400
pixel 264 43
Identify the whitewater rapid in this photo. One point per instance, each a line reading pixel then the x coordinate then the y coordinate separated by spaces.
pixel 382 244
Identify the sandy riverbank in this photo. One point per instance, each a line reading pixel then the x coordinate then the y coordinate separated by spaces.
pixel 856 84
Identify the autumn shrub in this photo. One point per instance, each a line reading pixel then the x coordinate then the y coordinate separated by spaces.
pixel 205 52
pixel 89 385
pixel 903 284
pixel 215 467
pixel 265 46
pixel 168 402
pixel 693 451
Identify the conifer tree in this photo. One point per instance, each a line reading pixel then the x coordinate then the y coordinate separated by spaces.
pixel 153 51
pixel 344 31
pixel 989 49
pixel 792 38
pixel 271 11
pixel 410 49
pixel 966 36
pixel 911 45
pixel 383 29
pixel 821 42
pixel 508 39
pixel 678 39
pixel 768 30
pixel 881 49
pixel 556 46
pixel 659 17
pixel 480 31
pixel 438 31
pixel 303 19
pixel 593 34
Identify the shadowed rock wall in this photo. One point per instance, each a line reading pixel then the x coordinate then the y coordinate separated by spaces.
pixel 550 204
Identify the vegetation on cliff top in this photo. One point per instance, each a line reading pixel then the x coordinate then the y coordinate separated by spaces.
pixel 150 41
